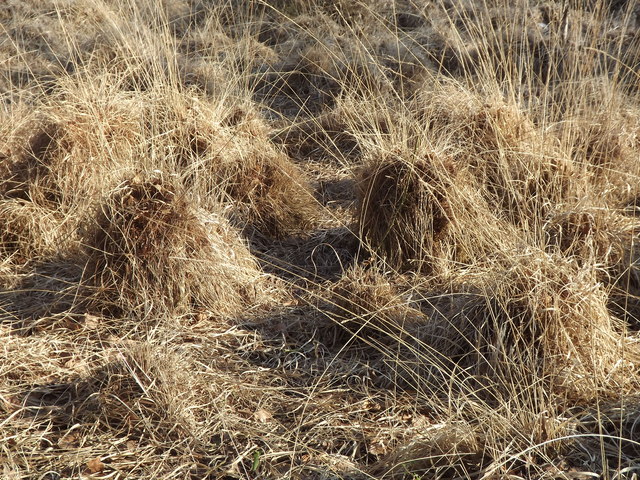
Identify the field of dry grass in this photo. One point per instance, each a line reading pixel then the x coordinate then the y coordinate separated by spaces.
pixel 319 240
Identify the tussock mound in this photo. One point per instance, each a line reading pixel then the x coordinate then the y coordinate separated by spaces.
pixel 34 200
pixel 152 251
pixel 30 231
pixel 237 158
pixel 274 195
pixel 325 136
pixel 404 208
pixel 53 149
pixel 609 240
pixel 26 173
pixel 414 211
pixel 607 145
pixel 320 66
pixel 431 451
pixel 594 234
pixel 370 308
pixel 542 316
pixel 530 318
pixel 522 172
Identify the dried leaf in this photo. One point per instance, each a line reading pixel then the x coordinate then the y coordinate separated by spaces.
pixel 69 441
pixel 91 321
pixel 94 465
pixel 263 415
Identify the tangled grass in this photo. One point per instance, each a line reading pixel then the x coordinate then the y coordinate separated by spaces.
pixel 326 240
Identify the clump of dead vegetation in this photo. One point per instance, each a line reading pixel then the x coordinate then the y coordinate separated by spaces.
pixel 521 170
pixel 276 195
pixel 140 392
pixel 368 308
pixel 150 250
pixel 404 207
pixel 226 152
pixel 25 173
pixel 30 231
pixel 606 238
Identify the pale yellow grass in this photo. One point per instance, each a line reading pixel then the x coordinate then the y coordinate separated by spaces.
pixel 319 240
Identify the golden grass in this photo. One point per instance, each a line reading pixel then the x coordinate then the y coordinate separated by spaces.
pixel 150 250
pixel 329 240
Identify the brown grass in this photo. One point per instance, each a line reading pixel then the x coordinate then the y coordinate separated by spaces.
pixel 404 210
pixel 277 196
pixel 319 240
pixel 149 242
pixel 233 158
pixel 369 309
pixel 521 170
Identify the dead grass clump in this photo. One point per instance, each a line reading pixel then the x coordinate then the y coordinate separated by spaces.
pixel 325 66
pixel 601 236
pixel 521 171
pixel 498 124
pixel 74 128
pixel 405 210
pixel 274 195
pixel 607 145
pixel 294 87
pixel 26 173
pixel 152 251
pixel 451 56
pixel 192 136
pixel 441 450
pixel 370 308
pixel 45 294
pixel 603 147
pixel 31 231
pixel 609 240
pixel 323 137
pixel 234 157
pixel 546 317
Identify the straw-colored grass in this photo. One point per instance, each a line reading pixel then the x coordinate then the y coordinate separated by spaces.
pixel 150 250
pixel 313 239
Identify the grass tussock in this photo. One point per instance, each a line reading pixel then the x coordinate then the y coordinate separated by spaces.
pixel 542 314
pixel 275 194
pixel 30 231
pixel 224 150
pixel 521 170
pixel 319 240
pixel 404 207
pixel 147 231
pixel 367 307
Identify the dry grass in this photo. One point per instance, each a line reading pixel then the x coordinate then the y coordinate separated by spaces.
pixel 150 250
pixel 319 240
